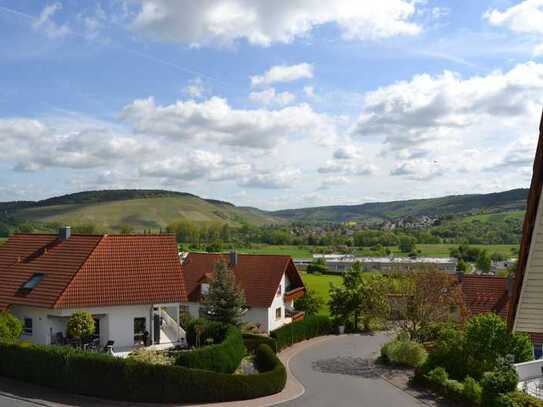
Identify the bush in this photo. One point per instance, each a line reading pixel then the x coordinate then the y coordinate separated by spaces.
pixel 211 330
pixel 310 327
pixel 454 389
pixel 472 390
pixel 521 399
pixel 404 352
pixel 499 382
pixel 438 376
pixel 10 327
pixel 224 357
pixel 252 341
pixel 104 376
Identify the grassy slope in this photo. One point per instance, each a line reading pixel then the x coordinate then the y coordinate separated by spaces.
pixel 149 213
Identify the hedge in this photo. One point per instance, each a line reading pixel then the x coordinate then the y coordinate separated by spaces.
pixel 252 341
pixel 224 357
pixel 310 327
pixel 213 330
pixel 104 376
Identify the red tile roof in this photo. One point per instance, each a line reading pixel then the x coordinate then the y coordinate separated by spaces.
pixel 485 294
pixel 258 275
pixel 91 270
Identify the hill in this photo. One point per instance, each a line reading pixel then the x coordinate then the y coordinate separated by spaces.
pixel 454 205
pixel 140 209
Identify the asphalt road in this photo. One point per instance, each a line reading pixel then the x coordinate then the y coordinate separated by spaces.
pixel 340 373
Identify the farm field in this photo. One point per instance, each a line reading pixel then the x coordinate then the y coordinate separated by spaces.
pixel 430 250
pixel 320 283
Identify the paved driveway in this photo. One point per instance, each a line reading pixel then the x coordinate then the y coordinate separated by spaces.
pixel 339 373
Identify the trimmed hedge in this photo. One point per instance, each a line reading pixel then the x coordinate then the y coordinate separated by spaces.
pixel 310 327
pixel 252 341
pixel 213 330
pixel 104 376
pixel 224 357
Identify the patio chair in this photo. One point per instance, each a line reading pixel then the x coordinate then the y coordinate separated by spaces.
pixel 109 347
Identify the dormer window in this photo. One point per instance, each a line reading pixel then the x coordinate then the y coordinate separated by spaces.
pixel 205 288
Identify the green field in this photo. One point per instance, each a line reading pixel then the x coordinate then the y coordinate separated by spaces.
pixel 321 284
pixel 2 240
pixel 430 250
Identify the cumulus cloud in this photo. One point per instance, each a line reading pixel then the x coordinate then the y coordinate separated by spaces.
pixel 428 108
pixel 280 179
pixel 333 181
pixel 45 22
pixel 271 97
pixel 349 168
pixel 223 22
pixel 419 170
pixel 524 17
pixel 283 73
pixel 214 120
pixel 347 152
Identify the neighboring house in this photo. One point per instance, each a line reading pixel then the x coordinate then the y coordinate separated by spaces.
pixel 270 285
pixel 526 311
pixel 484 294
pixel 131 284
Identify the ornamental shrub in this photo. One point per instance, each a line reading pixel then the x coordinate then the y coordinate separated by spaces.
pixel 252 341
pixel 310 327
pixel 454 390
pixel 224 357
pixel 10 327
pixel 438 376
pixel 472 390
pixel 80 325
pixel 499 382
pixel 209 330
pixel 404 352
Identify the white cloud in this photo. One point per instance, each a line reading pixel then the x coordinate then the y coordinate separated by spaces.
pixel 333 181
pixel 223 22
pixel 46 24
pixel 215 121
pixel 278 179
pixel 348 168
pixel 524 17
pixel 347 152
pixel 283 73
pixel 419 170
pixel 443 108
pixel 271 97
pixel 309 91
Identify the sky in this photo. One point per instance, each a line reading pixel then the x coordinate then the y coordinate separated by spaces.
pixel 282 104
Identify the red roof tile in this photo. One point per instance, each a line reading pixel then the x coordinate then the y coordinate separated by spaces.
pixel 89 270
pixel 257 275
pixel 485 294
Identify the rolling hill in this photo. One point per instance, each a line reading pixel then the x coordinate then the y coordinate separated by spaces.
pixel 140 209
pixel 454 205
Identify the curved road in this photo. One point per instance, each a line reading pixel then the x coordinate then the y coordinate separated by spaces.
pixel 340 373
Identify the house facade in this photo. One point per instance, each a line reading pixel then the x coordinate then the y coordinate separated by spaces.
pixel 526 310
pixel 131 284
pixel 270 285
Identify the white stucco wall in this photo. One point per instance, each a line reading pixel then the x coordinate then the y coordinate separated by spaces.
pixel 278 302
pixel 116 322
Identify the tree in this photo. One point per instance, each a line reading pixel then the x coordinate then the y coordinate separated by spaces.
pixel 407 244
pixel 483 262
pixel 126 230
pixel 214 247
pixel 80 325
pixel 462 266
pixel 429 296
pixel 10 327
pixel 360 296
pixel 225 300
pixel 310 303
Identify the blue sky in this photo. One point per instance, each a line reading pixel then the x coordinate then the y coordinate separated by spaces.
pixel 269 104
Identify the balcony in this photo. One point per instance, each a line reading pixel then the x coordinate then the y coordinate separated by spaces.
pixel 294 294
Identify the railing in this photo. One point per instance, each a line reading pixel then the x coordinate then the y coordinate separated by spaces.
pixel 529 370
pixel 171 327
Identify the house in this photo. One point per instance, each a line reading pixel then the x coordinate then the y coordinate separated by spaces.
pixel 483 293
pixel 526 309
pixel 131 284
pixel 270 284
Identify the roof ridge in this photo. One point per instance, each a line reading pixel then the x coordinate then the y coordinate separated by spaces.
pixel 102 238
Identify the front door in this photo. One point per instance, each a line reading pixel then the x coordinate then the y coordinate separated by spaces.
pixel 156 328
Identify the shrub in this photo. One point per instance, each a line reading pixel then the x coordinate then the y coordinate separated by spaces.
pixel 154 357
pixel 80 325
pixel 224 357
pixel 10 327
pixel 472 390
pixel 438 376
pixel 454 389
pixel 252 341
pixel 209 330
pixel 404 352
pixel 310 327
pixel 105 376
pixel 522 399
pixel 499 382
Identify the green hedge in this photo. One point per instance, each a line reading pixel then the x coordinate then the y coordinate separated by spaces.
pixel 213 330
pixel 310 327
pixel 252 341
pixel 224 357
pixel 105 376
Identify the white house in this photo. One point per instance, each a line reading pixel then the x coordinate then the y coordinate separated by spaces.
pixel 131 284
pixel 270 284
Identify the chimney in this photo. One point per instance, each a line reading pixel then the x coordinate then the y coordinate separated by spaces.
pixel 509 285
pixel 233 257
pixel 65 233
pixel 460 275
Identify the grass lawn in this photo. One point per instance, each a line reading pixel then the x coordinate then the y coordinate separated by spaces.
pixel 297 252
pixel 320 283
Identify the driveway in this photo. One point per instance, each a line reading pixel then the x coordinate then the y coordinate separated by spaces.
pixel 340 373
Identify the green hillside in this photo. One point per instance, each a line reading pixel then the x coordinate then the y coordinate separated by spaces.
pixel 140 209
pixel 514 200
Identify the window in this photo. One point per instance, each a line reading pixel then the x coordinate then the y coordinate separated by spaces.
pixel 33 282
pixel 279 291
pixel 96 326
pixel 205 288
pixel 538 351
pixel 27 326
pixel 278 313
pixel 139 331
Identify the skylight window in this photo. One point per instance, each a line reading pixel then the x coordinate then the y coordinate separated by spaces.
pixel 33 282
